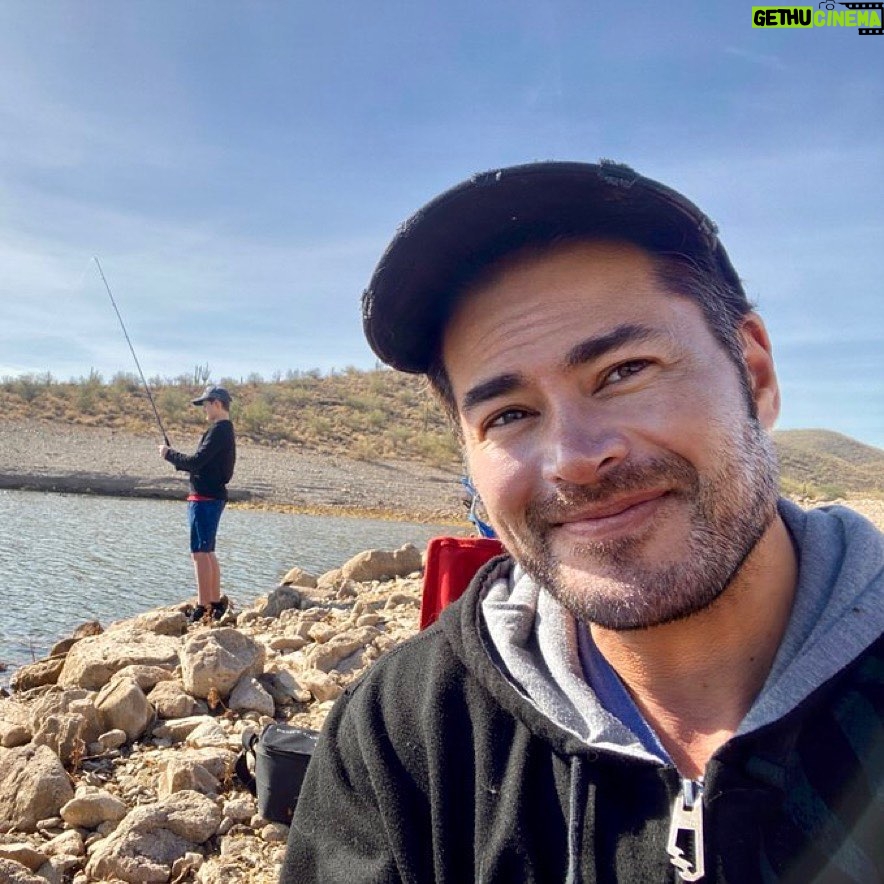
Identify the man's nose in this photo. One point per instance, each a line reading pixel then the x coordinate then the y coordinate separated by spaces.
pixel 580 448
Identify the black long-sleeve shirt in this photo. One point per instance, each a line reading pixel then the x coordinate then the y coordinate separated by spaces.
pixel 211 465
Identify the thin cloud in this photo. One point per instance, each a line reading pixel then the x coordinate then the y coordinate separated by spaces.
pixel 771 62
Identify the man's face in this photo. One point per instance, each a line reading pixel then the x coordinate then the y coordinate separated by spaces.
pixel 608 433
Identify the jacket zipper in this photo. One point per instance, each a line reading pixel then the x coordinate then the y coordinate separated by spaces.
pixel 685 844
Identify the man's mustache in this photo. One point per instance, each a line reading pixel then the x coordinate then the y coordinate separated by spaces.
pixel 673 473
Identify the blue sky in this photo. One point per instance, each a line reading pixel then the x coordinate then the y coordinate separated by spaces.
pixel 238 167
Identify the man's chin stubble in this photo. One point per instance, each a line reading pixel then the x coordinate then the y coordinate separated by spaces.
pixel 622 601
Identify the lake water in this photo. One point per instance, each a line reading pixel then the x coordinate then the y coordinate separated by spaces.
pixel 67 558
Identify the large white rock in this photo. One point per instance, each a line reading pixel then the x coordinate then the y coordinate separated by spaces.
pixel 12 872
pixel 92 661
pixel 208 735
pixel 382 564
pixel 282 685
pixel 35 675
pixel 22 852
pixel 329 655
pixel 218 761
pixel 171 700
pixel 14 734
pixel 216 659
pixel 330 579
pixel 250 696
pixel 146 677
pixel 110 740
pixel 240 809
pixel 15 724
pixel 148 842
pixel 283 598
pixel 68 843
pixel 65 733
pixel 91 807
pixel 186 773
pixel 161 621
pixel 179 729
pixel 59 701
pixel 321 685
pixel 299 577
pixel 122 706
pixel 33 786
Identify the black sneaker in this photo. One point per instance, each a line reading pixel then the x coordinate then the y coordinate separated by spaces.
pixel 219 609
pixel 197 614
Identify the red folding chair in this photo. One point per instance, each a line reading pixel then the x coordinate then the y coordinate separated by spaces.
pixel 452 562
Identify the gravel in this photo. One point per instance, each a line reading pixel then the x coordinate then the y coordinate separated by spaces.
pixel 58 457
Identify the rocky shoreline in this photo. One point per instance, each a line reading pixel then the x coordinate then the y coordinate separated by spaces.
pixel 118 749
pixel 52 456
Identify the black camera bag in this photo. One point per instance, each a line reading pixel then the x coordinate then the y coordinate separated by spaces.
pixel 279 757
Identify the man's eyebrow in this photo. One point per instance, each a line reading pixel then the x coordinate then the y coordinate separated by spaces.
pixel 592 348
pixel 496 386
pixel 579 354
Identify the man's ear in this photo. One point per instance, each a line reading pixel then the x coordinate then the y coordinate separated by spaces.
pixel 758 354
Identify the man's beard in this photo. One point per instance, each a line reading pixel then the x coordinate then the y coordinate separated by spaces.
pixel 608 583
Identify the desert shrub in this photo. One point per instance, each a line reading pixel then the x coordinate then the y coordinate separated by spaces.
pixel 126 381
pixel 316 427
pixel 364 448
pixel 26 387
pixel 270 393
pixel 811 490
pixel 93 379
pixel 295 397
pixel 255 416
pixel 86 399
pixel 174 403
pixel 831 492
pixel 377 383
pixel 89 392
pixel 375 419
pixel 438 450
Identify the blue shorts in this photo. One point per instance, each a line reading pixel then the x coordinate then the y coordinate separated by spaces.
pixel 204 516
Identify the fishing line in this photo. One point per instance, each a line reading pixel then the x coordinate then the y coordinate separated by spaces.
pixel 132 349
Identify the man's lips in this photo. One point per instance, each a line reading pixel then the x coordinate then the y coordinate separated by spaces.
pixel 623 511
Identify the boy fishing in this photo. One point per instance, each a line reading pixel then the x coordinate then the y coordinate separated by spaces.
pixel 210 468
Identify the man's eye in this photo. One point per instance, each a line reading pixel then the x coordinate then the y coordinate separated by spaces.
pixel 506 417
pixel 625 370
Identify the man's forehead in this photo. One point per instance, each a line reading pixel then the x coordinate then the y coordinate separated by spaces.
pixel 545 253
pixel 557 269
pixel 564 307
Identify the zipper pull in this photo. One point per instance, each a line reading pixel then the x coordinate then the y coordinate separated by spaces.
pixel 685 845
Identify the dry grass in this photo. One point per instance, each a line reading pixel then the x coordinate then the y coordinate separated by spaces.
pixel 374 415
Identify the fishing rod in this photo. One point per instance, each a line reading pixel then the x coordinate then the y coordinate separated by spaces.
pixel 132 349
